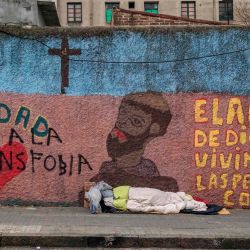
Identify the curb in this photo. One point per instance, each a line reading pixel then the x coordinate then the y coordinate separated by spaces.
pixel 125 242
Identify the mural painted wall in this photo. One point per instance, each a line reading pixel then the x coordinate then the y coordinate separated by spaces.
pixel 79 107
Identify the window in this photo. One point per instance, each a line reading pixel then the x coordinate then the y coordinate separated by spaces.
pixel 131 5
pixel 188 9
pixel 151 7
pixel 226 10
pixel 74 12
pixel 109 8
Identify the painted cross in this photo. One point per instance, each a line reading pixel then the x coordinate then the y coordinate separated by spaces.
pixel 64 52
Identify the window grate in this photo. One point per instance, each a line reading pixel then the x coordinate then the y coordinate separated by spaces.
pixel 74 12
pixel 188 9
pixel 226 10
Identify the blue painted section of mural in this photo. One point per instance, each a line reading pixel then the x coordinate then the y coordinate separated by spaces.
pixel 26 66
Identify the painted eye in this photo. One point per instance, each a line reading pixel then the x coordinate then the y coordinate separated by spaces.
pixel 137 122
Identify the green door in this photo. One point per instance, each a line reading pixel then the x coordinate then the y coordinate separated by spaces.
pixel 109 11
pixel 108 15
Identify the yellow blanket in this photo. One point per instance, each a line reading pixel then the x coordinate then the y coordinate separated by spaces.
pixel 121 197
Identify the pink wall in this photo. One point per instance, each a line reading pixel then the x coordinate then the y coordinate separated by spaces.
pixel 83 124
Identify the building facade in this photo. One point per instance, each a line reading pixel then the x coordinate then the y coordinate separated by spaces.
pixel 99 12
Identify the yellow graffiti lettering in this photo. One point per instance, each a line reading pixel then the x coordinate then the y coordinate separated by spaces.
pixel 201 163
pixel 227 195
pixel 224 178
pixel 244 199
pixel 200 138
pixel 235 110
pixel 231 138
pixel 243 136
pixel 214 159
pixel 246 181
pixel 199 185
pixel 199 111
pixel 237 161
pixel 236 179
pixel 213 138
pixel 212 181
pixel 246 159
pixel 225 163
pixel 216 120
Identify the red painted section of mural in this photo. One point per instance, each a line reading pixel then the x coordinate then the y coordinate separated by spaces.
pixel 205 148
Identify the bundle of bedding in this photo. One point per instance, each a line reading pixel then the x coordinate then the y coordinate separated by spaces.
pixel 150 200
pixel 103 197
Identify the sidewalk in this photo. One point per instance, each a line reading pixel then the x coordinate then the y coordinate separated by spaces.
pixel 76 227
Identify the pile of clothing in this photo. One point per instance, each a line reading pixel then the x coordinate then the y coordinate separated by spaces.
pixel 96 196
pixel 104 198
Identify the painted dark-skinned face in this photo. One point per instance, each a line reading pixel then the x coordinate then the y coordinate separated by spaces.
pixel 130 133
pixel 132 120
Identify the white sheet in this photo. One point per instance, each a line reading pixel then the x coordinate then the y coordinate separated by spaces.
pixel 154 200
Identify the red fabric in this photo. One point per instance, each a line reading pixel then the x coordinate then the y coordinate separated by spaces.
pixel 201 200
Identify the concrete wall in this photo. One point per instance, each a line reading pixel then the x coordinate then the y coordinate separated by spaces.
pixel 22 12
pixel 191 133
pixel 228 73
pixel 19 11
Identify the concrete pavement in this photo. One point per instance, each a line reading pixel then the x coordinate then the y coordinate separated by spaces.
pixel 76 227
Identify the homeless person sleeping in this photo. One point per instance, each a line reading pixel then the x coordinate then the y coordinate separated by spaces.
pixel 104 198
